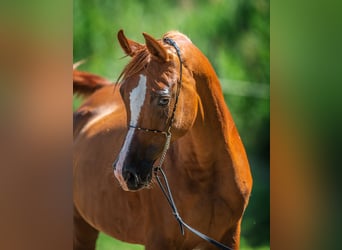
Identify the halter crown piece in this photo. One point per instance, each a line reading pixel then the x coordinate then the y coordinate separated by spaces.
pixel 165 187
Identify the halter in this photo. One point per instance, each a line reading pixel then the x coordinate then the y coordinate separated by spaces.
pixel 167 133
pixel 166 189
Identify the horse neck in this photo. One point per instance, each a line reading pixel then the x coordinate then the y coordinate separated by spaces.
pixel 213 132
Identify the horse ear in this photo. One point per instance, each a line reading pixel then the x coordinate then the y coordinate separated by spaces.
pixel 129 47
pixel 155 48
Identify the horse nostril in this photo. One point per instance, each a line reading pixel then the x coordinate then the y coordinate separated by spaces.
pixel 131 178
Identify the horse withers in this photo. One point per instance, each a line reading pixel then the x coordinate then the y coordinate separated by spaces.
pixel 167 88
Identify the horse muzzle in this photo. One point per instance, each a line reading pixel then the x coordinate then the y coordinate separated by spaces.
pixel 130 179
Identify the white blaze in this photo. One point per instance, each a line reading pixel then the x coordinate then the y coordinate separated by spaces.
pixel 136 100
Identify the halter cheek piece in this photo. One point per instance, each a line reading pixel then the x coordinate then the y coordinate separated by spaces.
pixel 165 187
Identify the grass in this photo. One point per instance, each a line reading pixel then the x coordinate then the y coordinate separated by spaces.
pixel 106 242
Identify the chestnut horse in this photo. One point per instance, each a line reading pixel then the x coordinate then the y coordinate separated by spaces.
pixel 124 127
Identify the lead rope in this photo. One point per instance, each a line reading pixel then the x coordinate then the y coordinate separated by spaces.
pixel 158 169
pixel 167 193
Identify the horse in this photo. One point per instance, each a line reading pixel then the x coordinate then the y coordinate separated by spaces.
pixel 121 132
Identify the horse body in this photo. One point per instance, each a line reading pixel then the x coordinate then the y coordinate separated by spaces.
pixel 206 166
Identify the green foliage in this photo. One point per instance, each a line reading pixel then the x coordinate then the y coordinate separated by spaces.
pixel 234 35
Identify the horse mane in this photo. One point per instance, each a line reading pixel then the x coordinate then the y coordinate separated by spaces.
pixel 137 64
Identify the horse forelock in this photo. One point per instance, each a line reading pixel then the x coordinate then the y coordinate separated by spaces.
pixel 136 65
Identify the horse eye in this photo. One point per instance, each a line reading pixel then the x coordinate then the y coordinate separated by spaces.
pixel 163 101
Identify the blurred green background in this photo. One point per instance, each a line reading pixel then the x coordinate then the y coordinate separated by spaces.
pixel 234 35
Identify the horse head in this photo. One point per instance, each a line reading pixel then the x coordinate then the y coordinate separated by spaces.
pixel 160 97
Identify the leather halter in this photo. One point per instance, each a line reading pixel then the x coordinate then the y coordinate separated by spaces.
pixel 165 187
pixel 167 133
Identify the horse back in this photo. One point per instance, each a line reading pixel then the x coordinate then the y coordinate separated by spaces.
pixel 93 115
